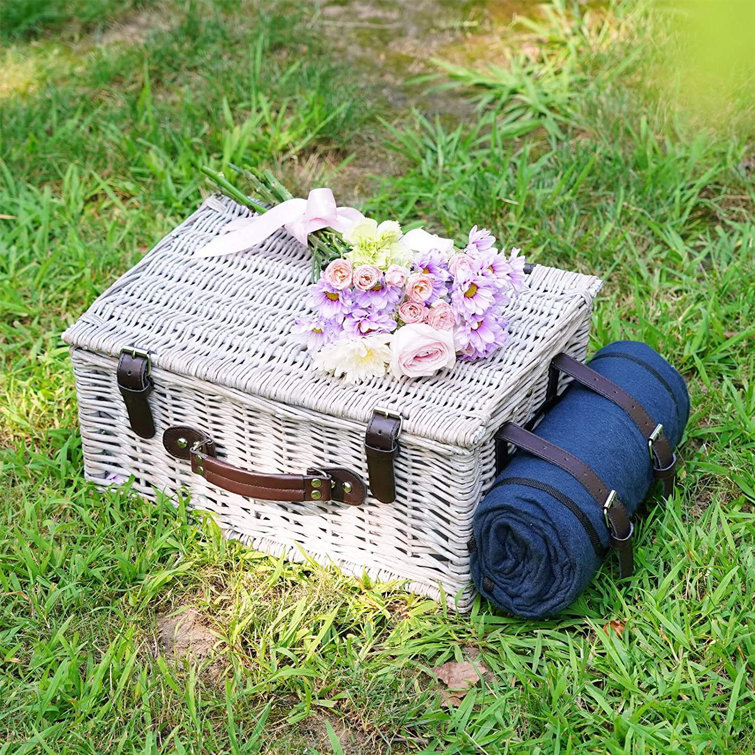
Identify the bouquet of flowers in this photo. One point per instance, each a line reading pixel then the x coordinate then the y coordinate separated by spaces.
pixel 411 304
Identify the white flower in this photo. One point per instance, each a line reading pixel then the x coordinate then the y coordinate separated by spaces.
pixel 373 244
pixel 356 358
pixel 419 240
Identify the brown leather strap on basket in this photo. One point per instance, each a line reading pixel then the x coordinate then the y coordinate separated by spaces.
pixel 135 385
pixel 661 454
pixel 381 448
pixel 324 484
pixel 618 522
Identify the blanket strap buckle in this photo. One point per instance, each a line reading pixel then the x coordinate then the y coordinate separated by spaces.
pixel 618 522
pixel 662 457
pixel 621 531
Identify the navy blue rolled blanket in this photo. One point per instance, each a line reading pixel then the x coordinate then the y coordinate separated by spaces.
pixel 539 537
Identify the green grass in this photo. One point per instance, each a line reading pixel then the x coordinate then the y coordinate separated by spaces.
pixel 582 155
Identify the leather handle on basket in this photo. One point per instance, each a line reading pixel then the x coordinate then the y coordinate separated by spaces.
pixel 317 485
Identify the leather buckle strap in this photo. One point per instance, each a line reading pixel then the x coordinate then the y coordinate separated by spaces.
pixel 320 485
pixel 135 384
pixel 381 448
pixel 662 456
pixel 620 528
pixel 621 532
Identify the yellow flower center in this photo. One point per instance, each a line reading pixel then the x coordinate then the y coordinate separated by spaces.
pixel 332 296
pixel 471 291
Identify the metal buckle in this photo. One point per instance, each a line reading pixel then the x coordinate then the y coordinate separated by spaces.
pixel 392 414
pixel 610 500
pixel 652 438
pixel 319 476
pixel 197 446
pixel 134 352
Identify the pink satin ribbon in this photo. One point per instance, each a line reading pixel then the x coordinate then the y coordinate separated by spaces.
pixel 299 217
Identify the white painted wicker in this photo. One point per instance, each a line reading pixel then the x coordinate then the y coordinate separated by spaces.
pixel 224 360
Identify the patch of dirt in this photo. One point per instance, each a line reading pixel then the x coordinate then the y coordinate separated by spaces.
pixel 391 43
pixel 134 29
pixel 184 636
pixel 352 182
pixel 314 734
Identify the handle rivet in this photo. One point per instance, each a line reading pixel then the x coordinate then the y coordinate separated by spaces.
pixel 316 495
pixel 347 487
pixel 316 483
pixel 200 469
pixel 182 442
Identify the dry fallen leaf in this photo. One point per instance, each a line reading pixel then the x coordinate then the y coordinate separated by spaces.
pixel 617 626
pixel 449 700
pixel 459 678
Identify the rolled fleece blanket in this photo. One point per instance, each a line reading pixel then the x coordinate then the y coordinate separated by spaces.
pixel 539 537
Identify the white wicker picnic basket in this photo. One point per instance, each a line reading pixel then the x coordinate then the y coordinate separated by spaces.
pixel 226 367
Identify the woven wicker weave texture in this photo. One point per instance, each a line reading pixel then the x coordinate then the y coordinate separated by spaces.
pixel 225 361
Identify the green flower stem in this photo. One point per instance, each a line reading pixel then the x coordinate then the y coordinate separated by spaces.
pixel 230 190
pixel 259 187
pixel 325 245
pixel 277 186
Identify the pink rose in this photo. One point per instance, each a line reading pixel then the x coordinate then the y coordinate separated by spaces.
pixel 338 274
pixel 367 277
pixel 419 287
pixel 419 350
pixel 460 265
pixel 396 275
pixel 411 312
pixel 441 317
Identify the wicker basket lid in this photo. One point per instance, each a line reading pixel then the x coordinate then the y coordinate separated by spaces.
pixel 228 320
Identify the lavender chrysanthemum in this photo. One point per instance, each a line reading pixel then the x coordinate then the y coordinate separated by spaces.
pixel 480 240
pixel 472 295
pixel 433 263
pixel 478 338
pixel 381 298
pixel 330 302
pixel 494 265
pixel 515 270
pixel 366 322
pixel 315 332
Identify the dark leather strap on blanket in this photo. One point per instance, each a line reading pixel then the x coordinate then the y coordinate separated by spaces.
pixel 324 484
pixel 381 448
pixel 620 528
pixel 135 385
pixel 661 454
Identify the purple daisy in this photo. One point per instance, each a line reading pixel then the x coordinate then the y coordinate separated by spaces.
pixel 433 263
pixel 328 301
pixel 494 265
pixel 364 322
pixel 481 240
pixel 315 332
pixel 480 337
pixel 381 298
pixel 515 270
pixel 472 295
